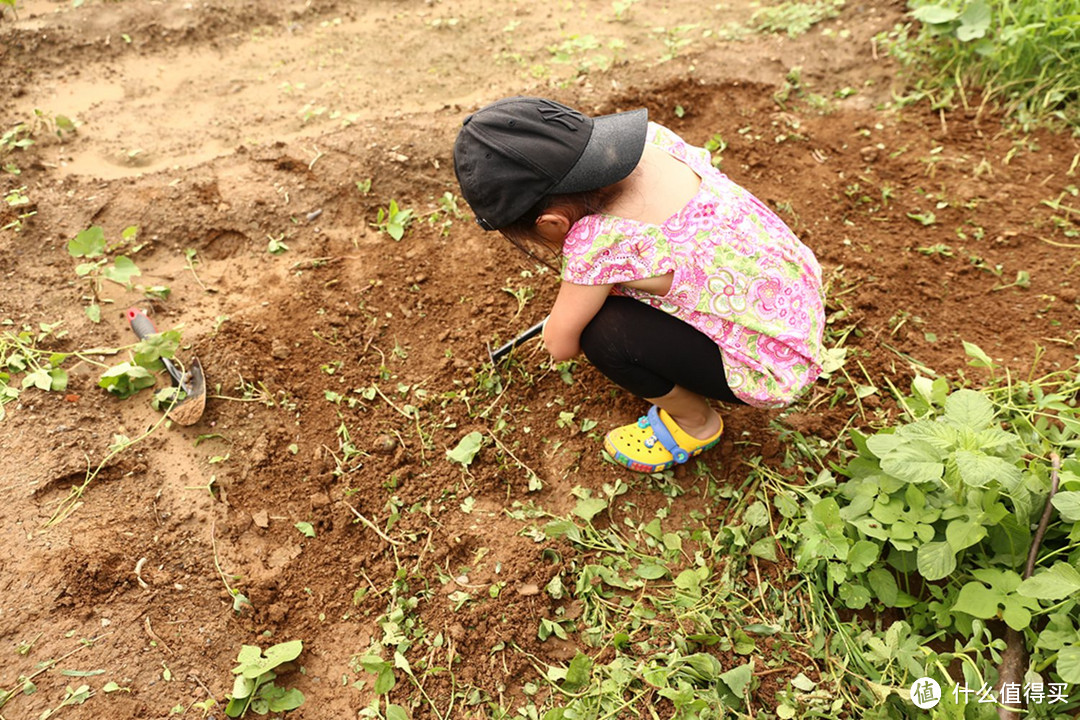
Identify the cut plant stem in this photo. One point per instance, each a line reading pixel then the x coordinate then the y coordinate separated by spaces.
pixel 373 526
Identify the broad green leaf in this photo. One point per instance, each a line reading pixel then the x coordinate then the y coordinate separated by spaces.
pixel 248 654
pixel 854 595
pixel 883 443
pixel 125 379
pixel 969 408
pixel 978 357
pixel 121 271
pixel 706 668
pixel 88 243
pixel 235 708
pixel 467 448
pixel 974 21
pixel 915 461
pixel 1067 503
pixel 242 687
pixel 1068 664
pixel 93 312
pixel 284 652
pixel 293 698
pixel 977 469
pixel 650 571
pixel 1058 633
pixel 978 600
pixel 148 351
pixel 924 388
pixel 672 541
pixel 738 678
pixel 306 528
pixel 765 548
pixel 1015 614
pixel 38 378
pixel 757 515
pixel 934 14
pixel 863 555
pixel 1010 539
pixel 962 533
pixel 801 682
pixel 884 586
pixel 396 712
pixel 588 508
pixel 936 560
pixel 578 673
pixel 59 379
pixel 942 436
pixel 384 681
pixel 1060 581
pixel 1004 581
pixel 689 580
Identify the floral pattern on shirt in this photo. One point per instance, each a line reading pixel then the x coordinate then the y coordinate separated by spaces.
pixel 740 276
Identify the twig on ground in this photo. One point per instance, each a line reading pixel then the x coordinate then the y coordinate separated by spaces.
pixel 372 525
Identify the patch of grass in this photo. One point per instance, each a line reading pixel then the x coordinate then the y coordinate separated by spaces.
pixel 1024 55
pixel 795 18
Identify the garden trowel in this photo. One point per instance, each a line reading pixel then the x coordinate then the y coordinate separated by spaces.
pixel 188 410
pixel 501 352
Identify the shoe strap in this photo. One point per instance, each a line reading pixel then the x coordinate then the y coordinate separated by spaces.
pixel 663 434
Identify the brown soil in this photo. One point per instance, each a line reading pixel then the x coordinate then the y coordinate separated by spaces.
pixel 215 126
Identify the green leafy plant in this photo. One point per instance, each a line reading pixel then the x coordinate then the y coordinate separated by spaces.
pixel 953 517
pixel 17 138
pixel 254 688
pixel 20 204
pixel 394 220
pixel 129 377
pixel 795 18
pixel 1022 54
pixel 90 245
pixel 39 368
pixel 126 379
pixel 276 245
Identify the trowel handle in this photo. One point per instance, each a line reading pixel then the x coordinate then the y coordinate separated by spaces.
pixel 501 352
pixel 144 326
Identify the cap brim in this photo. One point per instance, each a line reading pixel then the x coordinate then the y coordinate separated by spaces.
pixel 613 151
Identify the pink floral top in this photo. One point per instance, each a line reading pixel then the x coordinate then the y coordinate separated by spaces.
pixel 740 276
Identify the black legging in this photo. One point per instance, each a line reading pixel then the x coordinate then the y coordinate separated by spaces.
pixel 648 352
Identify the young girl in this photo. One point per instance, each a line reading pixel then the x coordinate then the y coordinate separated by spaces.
pixel 677 284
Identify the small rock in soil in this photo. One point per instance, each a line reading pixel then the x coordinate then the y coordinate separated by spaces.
pixel 384 445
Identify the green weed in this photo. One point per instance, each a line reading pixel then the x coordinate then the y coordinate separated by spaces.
pixel 938 518
pixel 90 245
pixel 393 220
pixel 795 18
pixel 18 201
pixel 1024 55
pixel 254 688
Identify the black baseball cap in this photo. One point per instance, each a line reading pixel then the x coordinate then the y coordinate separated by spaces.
pixel 512 153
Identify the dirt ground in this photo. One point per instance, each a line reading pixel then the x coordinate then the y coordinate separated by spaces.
pixel 343 368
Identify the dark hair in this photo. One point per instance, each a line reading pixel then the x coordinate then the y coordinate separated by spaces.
pixel 523 235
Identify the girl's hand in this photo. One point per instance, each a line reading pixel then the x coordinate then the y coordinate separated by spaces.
pixel 574 307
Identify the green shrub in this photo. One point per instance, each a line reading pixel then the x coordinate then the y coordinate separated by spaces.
pixel 1023 55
